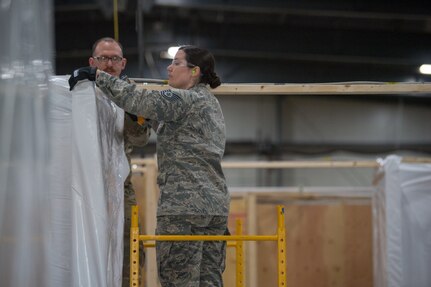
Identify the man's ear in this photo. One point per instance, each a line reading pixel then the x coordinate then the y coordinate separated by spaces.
pixel 91 62
pixel 123 63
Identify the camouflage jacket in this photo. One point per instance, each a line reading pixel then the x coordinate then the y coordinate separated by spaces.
pixel 190 144
pixel 134 134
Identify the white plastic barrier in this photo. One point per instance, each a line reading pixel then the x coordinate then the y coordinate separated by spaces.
pixel 61 215
pixel 25 64
pixel 97 189
pixel 402 225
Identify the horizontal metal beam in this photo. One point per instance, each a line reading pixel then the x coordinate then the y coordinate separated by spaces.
pixel 292 9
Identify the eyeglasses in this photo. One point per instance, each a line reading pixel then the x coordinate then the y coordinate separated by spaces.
pixel 177 63
pixel 105 59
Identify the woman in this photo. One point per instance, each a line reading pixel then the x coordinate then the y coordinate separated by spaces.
pixel 190 144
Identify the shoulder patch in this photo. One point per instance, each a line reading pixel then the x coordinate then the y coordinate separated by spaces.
pixel 170 95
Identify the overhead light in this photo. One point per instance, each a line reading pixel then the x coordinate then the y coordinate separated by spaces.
pixel 170 53
pixel 425 69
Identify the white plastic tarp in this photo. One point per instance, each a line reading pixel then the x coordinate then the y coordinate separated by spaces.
pixel 62 164
pixel 89 166
pixel 25 65
pixel 402 225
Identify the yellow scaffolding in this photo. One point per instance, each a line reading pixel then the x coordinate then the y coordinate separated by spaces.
pixel 238 239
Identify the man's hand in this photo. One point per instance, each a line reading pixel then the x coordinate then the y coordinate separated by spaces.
pixel 85 73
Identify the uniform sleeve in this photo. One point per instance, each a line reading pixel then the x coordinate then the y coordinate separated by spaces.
pixel 135 133
pixel 167 105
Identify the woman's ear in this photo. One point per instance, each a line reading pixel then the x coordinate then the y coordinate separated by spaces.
pixel 195 70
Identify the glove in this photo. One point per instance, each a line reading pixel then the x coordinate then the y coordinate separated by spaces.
pixel 84 73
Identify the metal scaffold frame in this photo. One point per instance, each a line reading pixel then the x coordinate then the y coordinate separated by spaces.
pixel 233 240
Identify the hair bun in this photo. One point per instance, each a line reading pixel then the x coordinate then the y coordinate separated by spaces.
pixel 214 80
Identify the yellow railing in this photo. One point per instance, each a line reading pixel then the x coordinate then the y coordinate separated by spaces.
pixel 280 237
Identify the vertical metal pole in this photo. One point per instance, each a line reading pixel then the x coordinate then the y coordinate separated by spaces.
pixel 115 10
pixel 140 31
pixel 281 232
pixel 279 137
pixel 134 248
pixel 239 256
pixel 252 270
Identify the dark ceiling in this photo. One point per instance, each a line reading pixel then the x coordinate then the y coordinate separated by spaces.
pixel 257 40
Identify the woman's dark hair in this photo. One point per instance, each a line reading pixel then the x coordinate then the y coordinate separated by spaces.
pixel 205 60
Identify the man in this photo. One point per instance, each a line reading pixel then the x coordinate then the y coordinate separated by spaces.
pixel 107 55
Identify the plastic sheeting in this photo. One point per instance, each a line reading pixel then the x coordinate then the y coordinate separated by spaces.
pixel 89 168
pixel 61 200
pixel 402 225
pixel 25 66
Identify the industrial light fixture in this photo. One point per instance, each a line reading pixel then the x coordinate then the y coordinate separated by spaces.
pixel 425 69
pixel 170 53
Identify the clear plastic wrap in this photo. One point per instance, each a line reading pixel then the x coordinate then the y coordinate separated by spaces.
pixel 61 191
pixel 99 168
pixel 25 67
pixel 402 224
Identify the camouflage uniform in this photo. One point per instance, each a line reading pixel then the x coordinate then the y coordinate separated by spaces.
pixel 134 135
pixel 193 195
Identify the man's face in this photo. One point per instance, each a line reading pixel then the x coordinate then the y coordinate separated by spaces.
pixel 108 57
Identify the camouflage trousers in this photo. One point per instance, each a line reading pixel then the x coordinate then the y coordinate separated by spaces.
pixel 129 201
pixel 191 263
